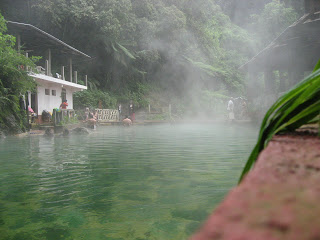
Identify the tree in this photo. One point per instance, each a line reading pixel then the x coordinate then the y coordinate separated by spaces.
pixel 273 20
pixel 14 82
pixel 173 44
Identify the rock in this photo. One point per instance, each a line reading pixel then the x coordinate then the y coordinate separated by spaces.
pixel 12 124
pixel 48 133
pixel 65 132
pixel 80 130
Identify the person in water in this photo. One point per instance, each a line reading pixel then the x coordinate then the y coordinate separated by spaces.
pixel 127 121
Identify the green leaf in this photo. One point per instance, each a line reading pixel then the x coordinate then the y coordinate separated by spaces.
pixel 298 106
pixel 317 66
pixel 126 51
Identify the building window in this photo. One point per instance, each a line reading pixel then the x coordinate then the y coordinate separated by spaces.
pixel 47 91
pixel 53 93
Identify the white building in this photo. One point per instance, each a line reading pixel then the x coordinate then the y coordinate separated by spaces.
pixel 52 87
pixel 52 91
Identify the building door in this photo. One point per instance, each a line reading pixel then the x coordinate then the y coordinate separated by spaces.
pixel 63 95
pixel 34 102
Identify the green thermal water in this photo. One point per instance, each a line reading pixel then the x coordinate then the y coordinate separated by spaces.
pixel 140 183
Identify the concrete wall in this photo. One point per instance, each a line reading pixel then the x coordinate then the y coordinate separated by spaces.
pixel 49 102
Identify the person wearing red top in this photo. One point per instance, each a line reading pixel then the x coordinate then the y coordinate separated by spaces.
pixel 64 104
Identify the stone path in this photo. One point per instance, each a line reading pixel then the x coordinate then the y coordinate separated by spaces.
pixel 278 200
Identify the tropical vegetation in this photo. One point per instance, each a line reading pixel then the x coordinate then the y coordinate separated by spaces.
pixel 14 83
pixel 300 105
pixel 160 51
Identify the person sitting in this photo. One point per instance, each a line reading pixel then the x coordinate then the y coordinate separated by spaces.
pixel 127 121
pixel 46 116
pixel 64 104
pixel 32 114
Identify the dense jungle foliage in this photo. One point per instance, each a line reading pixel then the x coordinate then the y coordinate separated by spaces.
pixel 13 83
pixel 160 51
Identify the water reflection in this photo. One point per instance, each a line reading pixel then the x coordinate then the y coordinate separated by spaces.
pixel 144 182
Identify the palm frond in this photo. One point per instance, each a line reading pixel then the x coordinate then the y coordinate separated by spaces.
pixel 143 73
pixel 114 48
pixel 126 51
pixel 210 70
pixel 3 100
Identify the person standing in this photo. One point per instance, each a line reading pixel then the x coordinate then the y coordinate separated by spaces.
pixel 86 113
pixel 230 109
pixel 119 110
pixel 243 109
pixel 64 104
pixel 131 111
pixel 93 118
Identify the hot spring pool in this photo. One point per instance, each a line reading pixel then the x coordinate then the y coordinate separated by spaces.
pixel 140 183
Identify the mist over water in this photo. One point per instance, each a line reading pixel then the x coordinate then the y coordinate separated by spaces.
pixel 144 182
pixel 189 51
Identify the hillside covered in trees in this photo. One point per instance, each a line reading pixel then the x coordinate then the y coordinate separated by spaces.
pixel 160 51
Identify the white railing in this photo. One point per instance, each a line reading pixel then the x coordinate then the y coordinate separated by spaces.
pixel 107 115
